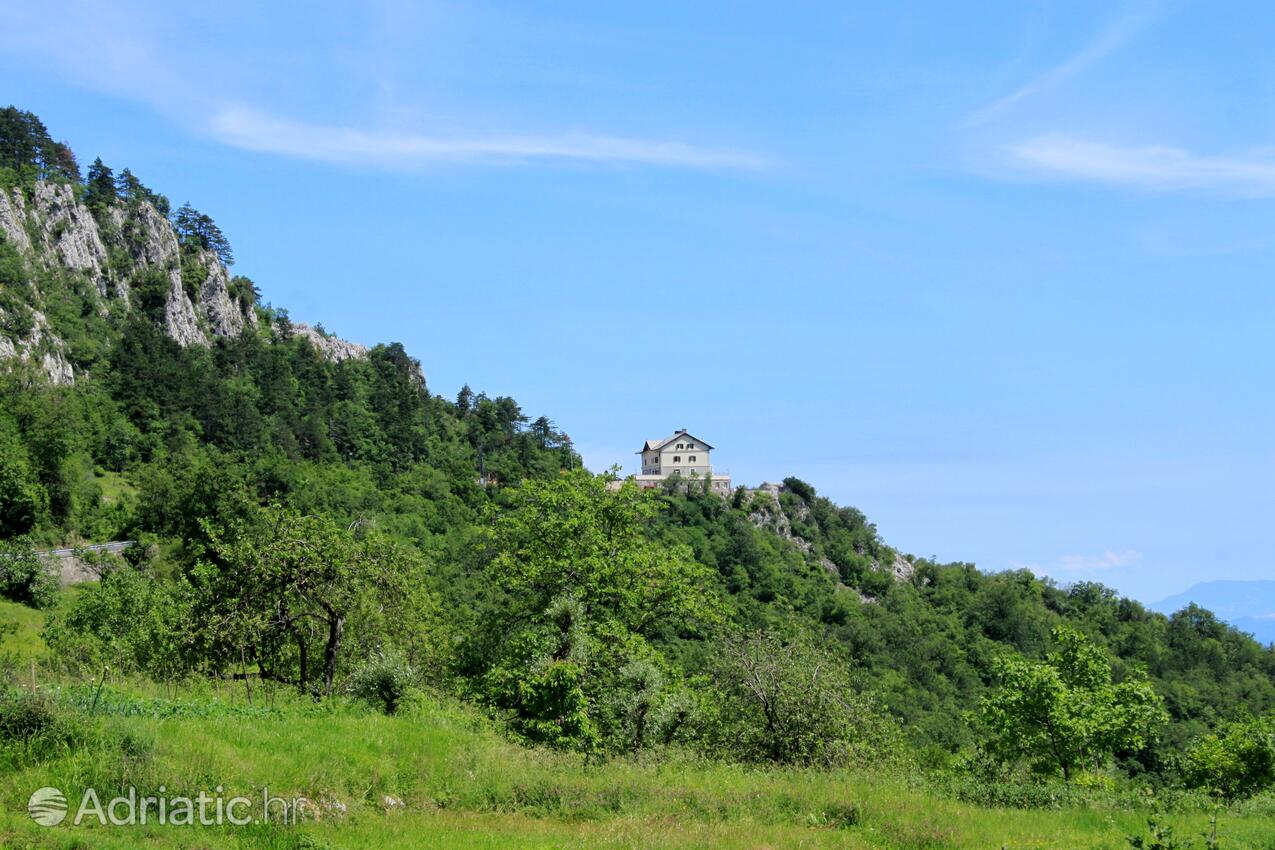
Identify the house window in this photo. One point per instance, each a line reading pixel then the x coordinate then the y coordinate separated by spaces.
pixel 680 446
pixel 691 459
pixel 677 458
pixel 690 445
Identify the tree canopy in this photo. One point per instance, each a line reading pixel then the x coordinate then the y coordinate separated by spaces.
pixel 198 230
pixel 28 153
pixel 1066 713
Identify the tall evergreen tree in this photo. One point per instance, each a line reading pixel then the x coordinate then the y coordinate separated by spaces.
pixel 28 151
pixel 17 147
pixel 464 400
pixel 99 187
pixel 61 162
pixel 198 230
pixel 133 191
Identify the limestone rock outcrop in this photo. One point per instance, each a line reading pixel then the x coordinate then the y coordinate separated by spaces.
pixel 126 246
pixel 13 216
pixel 332 348
pixel 69 233
pixel 40 347
pixel 767 513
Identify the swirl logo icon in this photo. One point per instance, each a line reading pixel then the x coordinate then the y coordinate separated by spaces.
pixel 47 806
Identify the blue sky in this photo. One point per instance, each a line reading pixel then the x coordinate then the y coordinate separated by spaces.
pixel 999 276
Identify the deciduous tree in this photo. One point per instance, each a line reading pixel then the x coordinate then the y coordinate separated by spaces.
pixel 1066 713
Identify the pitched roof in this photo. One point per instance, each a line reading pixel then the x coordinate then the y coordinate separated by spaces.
pixel 656 445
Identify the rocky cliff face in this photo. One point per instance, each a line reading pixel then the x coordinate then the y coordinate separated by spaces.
pixel 65 233
pixel 41 348
pixel 127 256
pixel 330 347
pixel 767 513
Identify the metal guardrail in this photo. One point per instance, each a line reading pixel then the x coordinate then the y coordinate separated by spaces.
pixel 114 546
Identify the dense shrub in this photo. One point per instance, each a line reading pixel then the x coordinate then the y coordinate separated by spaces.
pixel 23 501
pixel 790 702
pixel 128 620
pixel 1236 761
pixel 24 714
pixel 800 488
pixel 24 577
pixel 33 726
pixel 1015 795
pixel 382 680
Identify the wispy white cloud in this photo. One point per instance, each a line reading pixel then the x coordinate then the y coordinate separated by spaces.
pixel 215 93
pixel 1074 566
pixel 1109 560
pixel 253 130
pixel 1157 167
pixel 1111 38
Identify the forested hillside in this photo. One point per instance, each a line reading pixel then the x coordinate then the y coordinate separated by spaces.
pixel 310 514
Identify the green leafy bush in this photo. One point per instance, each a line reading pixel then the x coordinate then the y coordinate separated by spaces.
pixel 193 276
pixel 1014 795
pixel 790 702
pixel 32 726
pixel 128 620
pixel 22 500
pixel 24 577
pixel 24 714
pixel 1066 714
pixel 1236 761
pixel 382 680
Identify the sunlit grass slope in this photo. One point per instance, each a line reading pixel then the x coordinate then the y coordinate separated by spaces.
pixel 462 785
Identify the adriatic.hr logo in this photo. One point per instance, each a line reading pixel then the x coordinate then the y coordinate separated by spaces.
pixel 47 806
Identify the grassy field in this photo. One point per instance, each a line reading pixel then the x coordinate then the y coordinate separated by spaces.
pixel 440 775
pixel 461 785
pixel 24 642
pixel 114 486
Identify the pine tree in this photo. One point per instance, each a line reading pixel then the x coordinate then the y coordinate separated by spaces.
pixel 128 187
pixel 61 162
pixel 17 148
pixel 27 149
pixel 133 191
pixel 99 187
pixel 199 231
pixel 542 430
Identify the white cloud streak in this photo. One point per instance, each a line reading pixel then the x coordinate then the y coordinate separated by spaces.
pixel 1155 167
pixel 131 50
pixel 253 130
pixel 1112 37
pixel 1109 560
pixel 1078 565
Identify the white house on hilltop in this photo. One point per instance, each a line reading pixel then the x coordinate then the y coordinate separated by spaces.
pixel 682 454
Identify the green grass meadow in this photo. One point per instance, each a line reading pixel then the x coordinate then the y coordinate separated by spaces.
pixel 24 643
pixel 461 784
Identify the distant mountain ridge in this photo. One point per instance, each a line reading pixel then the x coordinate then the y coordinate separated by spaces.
pixel 1247 605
